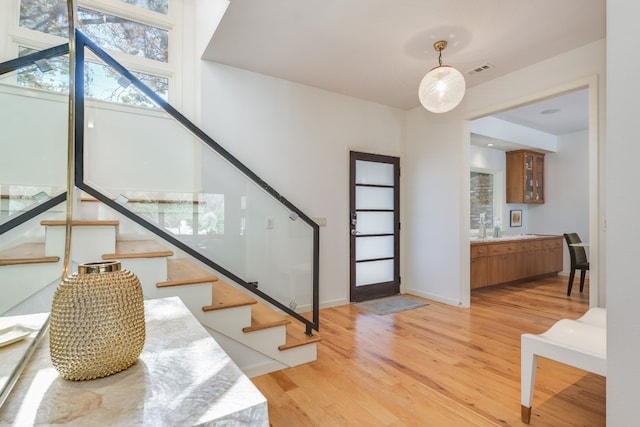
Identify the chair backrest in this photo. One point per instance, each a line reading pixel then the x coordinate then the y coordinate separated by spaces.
pixel 577 253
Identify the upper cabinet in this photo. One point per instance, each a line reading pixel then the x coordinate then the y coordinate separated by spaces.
pixel 525 177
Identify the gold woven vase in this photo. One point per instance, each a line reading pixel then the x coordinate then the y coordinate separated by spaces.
pixel 97 322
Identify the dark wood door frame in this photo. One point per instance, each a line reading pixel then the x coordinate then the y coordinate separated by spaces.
pixel 376 290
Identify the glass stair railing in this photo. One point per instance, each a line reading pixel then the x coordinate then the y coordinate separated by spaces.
pixel 33 141
pixel 151 164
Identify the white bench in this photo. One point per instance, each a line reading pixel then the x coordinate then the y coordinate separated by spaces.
pixel 581 343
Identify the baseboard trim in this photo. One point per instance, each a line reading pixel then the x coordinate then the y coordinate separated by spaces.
pixel 262 368
pixel 433 297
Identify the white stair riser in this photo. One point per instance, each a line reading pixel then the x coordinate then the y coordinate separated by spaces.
pixel 250 361
pixel 299 355
pixel 193 296
pixel 148 270
pixel 88 243
pixel 236 317
pixel 265 340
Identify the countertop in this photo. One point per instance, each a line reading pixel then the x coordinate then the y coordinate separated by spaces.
pixel 182 378
pixel 511 238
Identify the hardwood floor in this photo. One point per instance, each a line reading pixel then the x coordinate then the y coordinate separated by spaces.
pixel 438 365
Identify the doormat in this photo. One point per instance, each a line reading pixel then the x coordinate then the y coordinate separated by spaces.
pixel 390 305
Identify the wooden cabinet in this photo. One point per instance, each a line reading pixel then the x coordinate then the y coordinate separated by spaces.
pixel 478 266
pixel 531 259
pixel 499 261
pixel 552 255
pixel 525 177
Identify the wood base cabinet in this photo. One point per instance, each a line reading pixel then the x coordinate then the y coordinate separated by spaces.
pixel 499 261
pixel 478 266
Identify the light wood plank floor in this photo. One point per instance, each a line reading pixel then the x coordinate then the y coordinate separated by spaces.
pixel 438 365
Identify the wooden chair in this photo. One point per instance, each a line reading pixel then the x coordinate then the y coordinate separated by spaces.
pixel 578 260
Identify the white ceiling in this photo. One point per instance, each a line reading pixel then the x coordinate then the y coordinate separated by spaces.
pixel 379 50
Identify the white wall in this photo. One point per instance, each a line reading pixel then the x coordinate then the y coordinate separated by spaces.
pixel 623 233
pixel 297 138
pixel 436 191
pixel 566 204
pixel 437 168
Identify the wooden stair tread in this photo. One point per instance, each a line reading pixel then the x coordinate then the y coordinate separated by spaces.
pixel 224 295
pixel 27 253
pixel 184 272
pixel 79 222
pixel 126 249
pixel 263 317
pixel 296 337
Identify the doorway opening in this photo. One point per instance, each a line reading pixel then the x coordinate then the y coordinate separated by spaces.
pixel 569 142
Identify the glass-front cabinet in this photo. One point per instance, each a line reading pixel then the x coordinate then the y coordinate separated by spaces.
pixel 525 177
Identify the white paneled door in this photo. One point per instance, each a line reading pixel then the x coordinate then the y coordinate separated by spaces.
pixel 374 225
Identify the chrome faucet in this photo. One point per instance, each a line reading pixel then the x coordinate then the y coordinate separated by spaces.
pixel 482 228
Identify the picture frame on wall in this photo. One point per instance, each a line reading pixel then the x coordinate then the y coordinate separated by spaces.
pixel 516 218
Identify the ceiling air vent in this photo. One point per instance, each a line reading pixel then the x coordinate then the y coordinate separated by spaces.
pixel 479 69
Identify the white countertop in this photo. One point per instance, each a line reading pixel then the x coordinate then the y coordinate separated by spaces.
pixel 182 378
pixel 506 238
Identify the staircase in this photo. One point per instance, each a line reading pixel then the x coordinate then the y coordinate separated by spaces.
pixel 273 241
pixel 256 336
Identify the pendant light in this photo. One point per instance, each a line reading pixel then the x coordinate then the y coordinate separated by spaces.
pixel 443 87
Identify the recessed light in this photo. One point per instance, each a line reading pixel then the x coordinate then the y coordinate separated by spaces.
pixel 490 144
pixel 550 111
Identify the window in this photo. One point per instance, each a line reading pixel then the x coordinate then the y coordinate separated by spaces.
pixel 108 31
pixel 136 33
pixel 481 198
pixel 160 6
pixel 486 197
pixel 101 82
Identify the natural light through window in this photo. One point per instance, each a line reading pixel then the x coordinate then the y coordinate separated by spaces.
pixel 139 42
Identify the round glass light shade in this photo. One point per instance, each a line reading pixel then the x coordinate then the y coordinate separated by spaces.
pixel 442 89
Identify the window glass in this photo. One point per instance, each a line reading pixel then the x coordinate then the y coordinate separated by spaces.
pixel 179 214
pixel 108 31
pixel 101 82
pixel 482 199
pixel 160 6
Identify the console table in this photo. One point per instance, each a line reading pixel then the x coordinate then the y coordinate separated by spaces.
pixel 183 377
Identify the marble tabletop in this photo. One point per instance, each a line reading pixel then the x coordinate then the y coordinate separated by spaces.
pixel 182 378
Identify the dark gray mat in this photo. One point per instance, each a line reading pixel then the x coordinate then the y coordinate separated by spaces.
pixel 390 305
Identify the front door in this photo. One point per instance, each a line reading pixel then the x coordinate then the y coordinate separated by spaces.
pixel 374 203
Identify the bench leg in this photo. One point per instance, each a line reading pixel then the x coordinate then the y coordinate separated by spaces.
pixel 528 364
